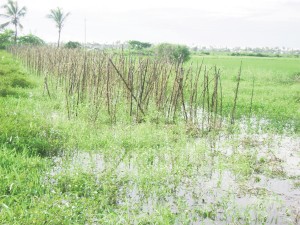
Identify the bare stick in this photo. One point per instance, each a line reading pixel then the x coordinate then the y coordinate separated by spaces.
pixel 236 94
pixel 127 86
pixel 252 93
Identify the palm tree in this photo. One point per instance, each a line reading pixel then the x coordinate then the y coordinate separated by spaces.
pixel 13 13
pixel 58 16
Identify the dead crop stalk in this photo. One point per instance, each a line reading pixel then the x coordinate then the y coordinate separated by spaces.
pixel 233 112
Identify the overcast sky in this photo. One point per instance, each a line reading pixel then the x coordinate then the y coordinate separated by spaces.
pixel 219 23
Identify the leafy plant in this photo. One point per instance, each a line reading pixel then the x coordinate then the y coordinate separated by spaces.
pixel 72 44
pixel 138 45
pixel 30 39
pixel 174 53
pixel 6 38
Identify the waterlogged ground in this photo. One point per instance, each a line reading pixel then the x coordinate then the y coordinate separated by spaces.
pixel 245 177
pixel 151 172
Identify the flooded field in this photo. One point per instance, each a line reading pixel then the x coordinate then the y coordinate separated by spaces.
pixel 237 178
pixel 109 138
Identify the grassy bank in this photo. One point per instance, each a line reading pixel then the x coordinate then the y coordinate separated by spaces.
pixel 57 169
pixel 26 137
pixel 34 127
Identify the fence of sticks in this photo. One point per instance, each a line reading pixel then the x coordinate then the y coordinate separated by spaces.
pixel 115 83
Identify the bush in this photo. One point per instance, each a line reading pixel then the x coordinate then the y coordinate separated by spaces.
pixel 173 53
pixel 138 45
pixel 30 40
pixel 6 38
pixel 6 91
pixel 21 82
pixel 72 44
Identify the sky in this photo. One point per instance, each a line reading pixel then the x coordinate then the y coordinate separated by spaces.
pixel 217 23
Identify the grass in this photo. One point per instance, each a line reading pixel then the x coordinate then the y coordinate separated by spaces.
pixel 56 170
pixel 276 90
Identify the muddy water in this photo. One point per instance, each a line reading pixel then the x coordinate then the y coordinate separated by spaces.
pixel 83 162
pixel 214 197
pixel 285 149
pixel 287 193
pixel 211 196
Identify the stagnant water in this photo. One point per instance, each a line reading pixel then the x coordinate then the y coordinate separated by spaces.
pixel 212 196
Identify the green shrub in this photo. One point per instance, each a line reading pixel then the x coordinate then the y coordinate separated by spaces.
pixel 173 53
pixel 72 44
pixel 30 39
pixel 6 38
pixel 6 91
pixel 21 82
pixel 138 45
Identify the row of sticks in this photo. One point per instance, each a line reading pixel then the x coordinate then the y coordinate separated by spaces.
pixel 115 84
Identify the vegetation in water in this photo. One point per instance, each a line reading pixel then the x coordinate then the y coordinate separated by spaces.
pixel 84 166
pixel 145 134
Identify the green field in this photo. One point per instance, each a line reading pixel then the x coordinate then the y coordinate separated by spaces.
pixel 276 85
pixel 64 162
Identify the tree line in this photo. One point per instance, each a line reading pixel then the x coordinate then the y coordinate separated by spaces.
pixel 14 13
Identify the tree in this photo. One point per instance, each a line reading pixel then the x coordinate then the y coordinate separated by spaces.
pixel 13 14
pixel 138 45
pixel 174 53
pixel 30 39
pixel 6 38
pixel 72 44
pixel 59 17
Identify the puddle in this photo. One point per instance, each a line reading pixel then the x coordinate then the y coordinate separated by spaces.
pixel 286 192
pixel 219 197
pixel 282 153
pixel 281 148
pixel 127 167
pixel 79 162
pixel 206 196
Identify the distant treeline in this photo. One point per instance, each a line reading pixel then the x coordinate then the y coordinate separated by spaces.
pixel 254 54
